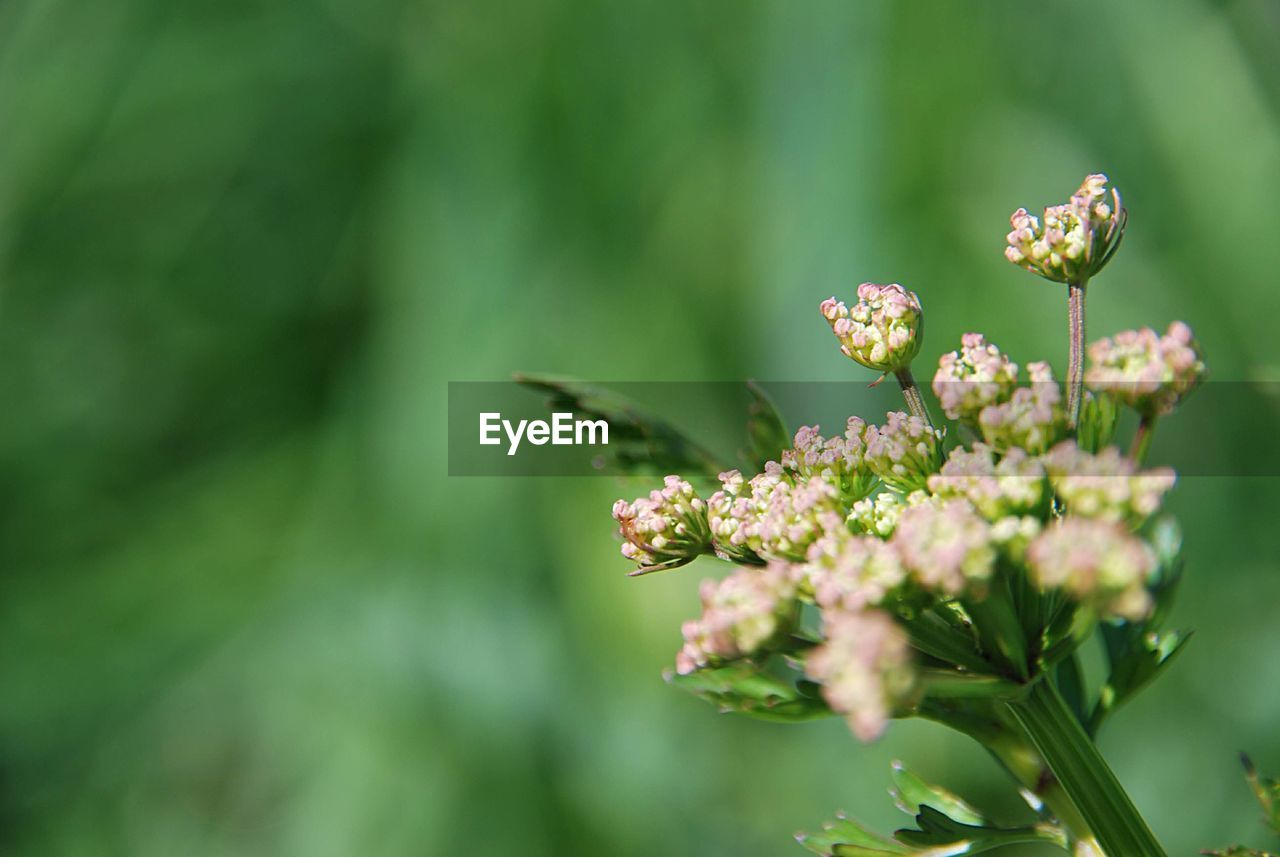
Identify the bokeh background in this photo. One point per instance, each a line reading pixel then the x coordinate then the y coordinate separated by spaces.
pixel 244 245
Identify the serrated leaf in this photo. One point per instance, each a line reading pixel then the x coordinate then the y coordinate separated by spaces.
pixel 767 433
pixel 940 836
pixel 767 692
pixel 911 793
pixel 639 442
pixel 845 837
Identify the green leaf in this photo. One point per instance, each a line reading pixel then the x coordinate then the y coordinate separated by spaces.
pixel 845 837
pixel 911 793
pixel 766 691
pixel 939 835
pixel 1134 664
pixel 767 433
pixel 639 442
pixel 1237 851
pixel 947 826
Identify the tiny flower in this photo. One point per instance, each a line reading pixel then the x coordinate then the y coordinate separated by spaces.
pixel 1014 485
pixel 1075 239
pixel 945 546
pixel 666 529
pixel 1032 418
pixel 852 572
pixel 864 668
pixel 904 451
pixel 1148 372
pixel 1097 562
pixel 1106 485
pixel 879 515
pixel 838 460
pixel 972 378
pixel 882 331
pixel 740 615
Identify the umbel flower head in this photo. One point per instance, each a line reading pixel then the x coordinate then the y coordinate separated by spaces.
pixel 1097 562
pixel 1014 485
pixel 882 331
pixel 1106 484
pixel 1075 240
pixel 1148 372
pixel 972 378
pixel 775 515
pixel 852 572
pixel 666 529
pixel 864 667
pixel 740 614
pixel 904 451
pixel 837 460
pixel 1032 418
pixel 946 547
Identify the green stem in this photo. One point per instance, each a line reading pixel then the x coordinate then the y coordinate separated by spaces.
pixel 1084 774
pixel 1075 365
pixel 1022 762
pixel 1005 740
pixel 911 392
pixel 1142 439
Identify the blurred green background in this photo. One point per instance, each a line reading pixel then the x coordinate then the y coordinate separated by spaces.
pixel 244 245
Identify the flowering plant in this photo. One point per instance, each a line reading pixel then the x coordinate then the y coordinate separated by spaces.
pixel 951 572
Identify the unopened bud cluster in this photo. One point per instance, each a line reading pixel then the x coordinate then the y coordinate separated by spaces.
pixel 1072 241
pixel 882 331
pixel 670 525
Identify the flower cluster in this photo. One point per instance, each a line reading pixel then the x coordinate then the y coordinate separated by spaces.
pixel 1106 485
pixel 978 385
pixel 975 376
pixel 837 460
pixel 1146 371
pixel 882 331
pixel 946 547
pixel 774 515
pixel 997 487
pixel 1097 562
pixel 852 572
pixel 1032 418
pixel 667 527
pixel 1075 239
pixel 740 614
pixel 904 451
pixel 986 550
pixel 864 667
